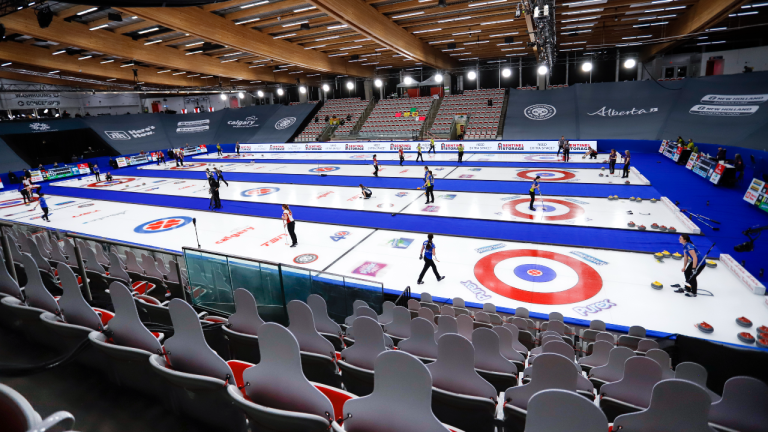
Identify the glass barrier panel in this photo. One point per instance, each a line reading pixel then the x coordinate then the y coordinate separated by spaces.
pixel 367 291
pixel 331 288
pixel 297 283
pixel 263 281
pixel 209 281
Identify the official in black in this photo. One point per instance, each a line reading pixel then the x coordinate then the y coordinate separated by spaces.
pixel 214 189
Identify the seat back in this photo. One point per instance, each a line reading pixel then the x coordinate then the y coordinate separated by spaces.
pixel 401 323
pixel 369 343
pixel 150 267
pixel 57 254
pixel 403 385
pixel 386 312
pixel 519 347
pixel 742 406
pixel 607 337
pixel 116 269
pixel 521 323
pixel 551 371
pixel 34 252
pixel 559 347
pixel 187 350
pixel 356 304
pixel 488 355
pixel 597 325
pixel 302 325
pixel 661 357
pixel 8 285
pixel 89 256
pixel 126 327
pixel 131 264
pixel 489 308
pixel 465 326
pixel 458 302
pixel 614 369
pixel 246 318
pixel 278 381
pixel 426 297
pixel 422 342
pixel 599 357
pixel 161 266
pixel 413 305
pixel 692 372
pixel 323 323
pixel 100 257
pixel 482 317
pixel 35 293
pixel 647 344
pixel 446 324
pixel 636 385
pixel 637 331
pixel 555 326
pixel 448 311
pixel 676 405
pixel 454 369
pixel 572 410
pixel 69 250
pixel 506 345
pixel 172 275
pixel 556 316
pixel 521 312
pixel 427 314
pixel 72 305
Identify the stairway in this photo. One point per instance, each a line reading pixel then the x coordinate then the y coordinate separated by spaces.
pixel 500 130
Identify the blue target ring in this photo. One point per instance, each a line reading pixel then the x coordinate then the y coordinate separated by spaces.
pixel 545 174
pixel 535 273
pixel 545 208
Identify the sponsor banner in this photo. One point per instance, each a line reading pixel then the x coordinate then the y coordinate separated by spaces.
pixel 718 172
pixel 734 99
pixel 440 146
pixel 594 307
pixel 83 169
pixel 742 274
pixel 494 247
pixel 691 160
pixel 589 258
pixel 723 111
pixel 36 175
pixel 754 191
pixel 121 163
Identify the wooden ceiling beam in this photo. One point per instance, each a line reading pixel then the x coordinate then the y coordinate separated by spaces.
pixel 697 18
pixel 48 80
pixel 224 5
pixel 133 27
pixel 72 34
pixel 42 58
pixel 367 21
pixel 225 32
pixel 265 9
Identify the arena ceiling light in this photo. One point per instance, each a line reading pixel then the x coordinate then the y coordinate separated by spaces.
pixel 302 89
pixel 223 96
pixel 377 82
pixel 260 93
pixel 439 78
pixel 506 72
pixel 350 85
pixel 280 91
pixel 254 4
pixel 326 88
pixel 629 63
pixel 241 95
pixel 408 80
pixel 586 67
pixel 472 75
pixel 542 70
pixel 149 30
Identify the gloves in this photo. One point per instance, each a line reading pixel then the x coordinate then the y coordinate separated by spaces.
pixel 420 257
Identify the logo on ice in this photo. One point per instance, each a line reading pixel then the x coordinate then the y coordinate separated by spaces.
pixel 594 307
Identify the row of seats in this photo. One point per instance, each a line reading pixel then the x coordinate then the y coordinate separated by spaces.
pixel 290 378
pixel 557 86
pixel 386 119
pixel 339 108
pixel 472 103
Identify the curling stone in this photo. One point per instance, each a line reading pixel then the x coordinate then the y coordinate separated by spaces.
pixel 626 182
pixel 658 256
pixel 744 322
pixel 631 224
pixel 638 199
pixel 631 198
pixel 672 229
pixel 666 254
pixel 762 336
pixel 746 337
pixel 663 228
pixel 657 285
pixel 711 264
pixel 602 168
pixel 653 200
pixel 600 175
pixel 705 327
pixel 641 227
pixel 762 343
pixel 615 197
pixel 605 161
pixel 655 225
pixel 763 329
pixel 677 256
pixel 143 184
pixel 610 197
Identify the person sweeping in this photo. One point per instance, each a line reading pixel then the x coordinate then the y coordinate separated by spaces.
pixel 691 268
pixel 429 185
pixel 428 253
pixel 43 206
pixel 532 191
pixel 366 192
pixel 290 223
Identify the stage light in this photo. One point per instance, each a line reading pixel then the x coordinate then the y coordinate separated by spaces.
pixel 506 72
pixel 629 63
pixel 471 75
pixel 350 85
pixel 241 95
pixel 302 89
pixel 542 70
pixel 408 80
pixel 280 92
pixel 377 82
pixel 223 96
pixel 439 78
pixel 44 17
pixel 326 88
pixel 45 111
pixel 260 93
pixel 586 67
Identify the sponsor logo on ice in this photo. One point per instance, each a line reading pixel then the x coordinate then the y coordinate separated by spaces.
pixel 432 209
pixel 235 235
pixel 479 293
pixel 594 307
pixel 369 268
pixel 401 194
pixel 485 249
pixel 341 235
pixel 589 258
pixel 274 240
pixel 447 197
pixel 305 258
pixel 162 225
pixel 400 243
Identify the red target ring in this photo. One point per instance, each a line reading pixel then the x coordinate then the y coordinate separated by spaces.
pixel 590 283
pixel 566 175
pixel 575 210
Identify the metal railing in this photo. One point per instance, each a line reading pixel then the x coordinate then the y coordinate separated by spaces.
pixel 214 277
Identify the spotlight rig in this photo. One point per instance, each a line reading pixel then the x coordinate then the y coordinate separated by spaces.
pixel 545 37
pixel 750 232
